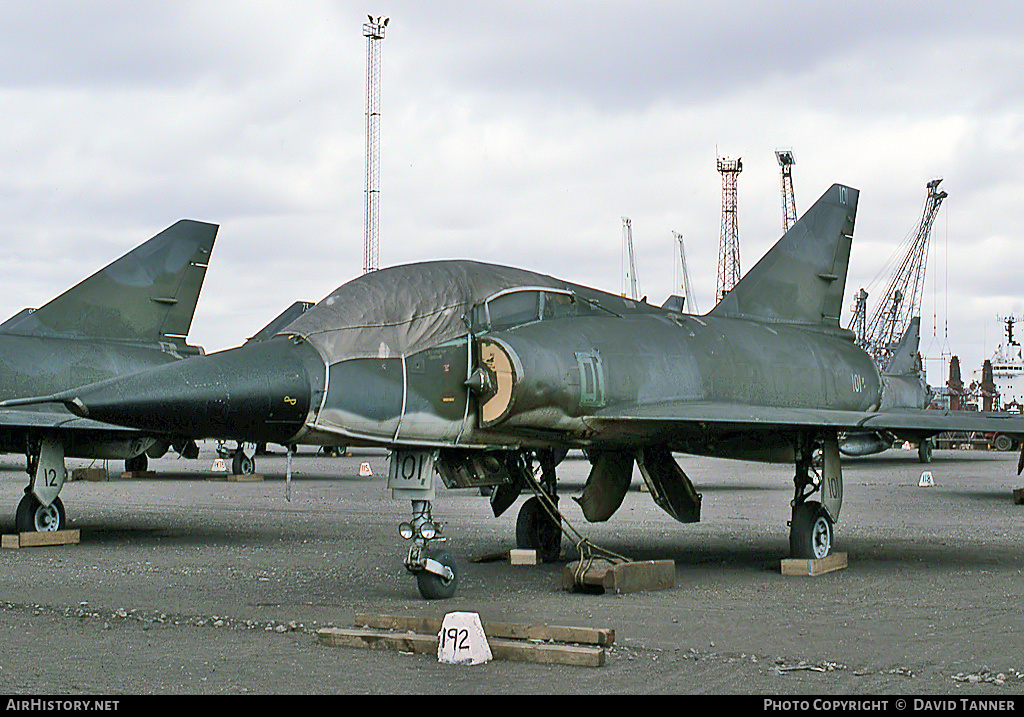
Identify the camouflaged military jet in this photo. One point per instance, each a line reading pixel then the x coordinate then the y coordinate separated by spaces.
pixel 479 373
pixel 131 315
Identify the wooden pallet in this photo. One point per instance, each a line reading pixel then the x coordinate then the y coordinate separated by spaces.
pixel 543 644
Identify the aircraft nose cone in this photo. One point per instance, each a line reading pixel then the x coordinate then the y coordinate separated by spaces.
pixel 259 392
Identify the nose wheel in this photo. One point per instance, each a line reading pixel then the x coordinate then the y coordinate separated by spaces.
pixel 438 585
pixel 437 575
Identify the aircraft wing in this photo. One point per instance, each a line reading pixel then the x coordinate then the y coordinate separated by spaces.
pixel 13 421
pixel 708 416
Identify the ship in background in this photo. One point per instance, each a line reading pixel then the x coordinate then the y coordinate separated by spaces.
pixel 1000 387
pixel 1007 365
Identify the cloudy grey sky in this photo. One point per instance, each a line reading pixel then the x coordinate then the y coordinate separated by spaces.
pixel 515 133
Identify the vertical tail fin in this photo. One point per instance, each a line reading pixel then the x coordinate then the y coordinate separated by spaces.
pixel 802 278
pixel 148 295
pixel 903 359
pixel 281 320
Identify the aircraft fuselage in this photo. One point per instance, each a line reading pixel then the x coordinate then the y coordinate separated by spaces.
pixel 549 377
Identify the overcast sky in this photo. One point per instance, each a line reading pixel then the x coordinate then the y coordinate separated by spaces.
pixel 514 133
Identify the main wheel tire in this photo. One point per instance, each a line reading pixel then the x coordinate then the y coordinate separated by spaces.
pixel 535 530
pixel 136 464
pixel 810 532
pixel 924 451
pixel 242 465
pixel 433 586
pixel 33 517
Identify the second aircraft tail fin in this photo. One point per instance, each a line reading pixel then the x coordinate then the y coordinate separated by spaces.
pixel 148 295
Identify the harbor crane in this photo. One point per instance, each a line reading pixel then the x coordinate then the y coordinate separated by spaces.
pixel 902 298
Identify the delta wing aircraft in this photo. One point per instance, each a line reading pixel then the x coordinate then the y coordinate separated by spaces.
pixel 481 372
pixel 131 315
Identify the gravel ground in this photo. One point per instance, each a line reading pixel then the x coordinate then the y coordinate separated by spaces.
pixel 184 584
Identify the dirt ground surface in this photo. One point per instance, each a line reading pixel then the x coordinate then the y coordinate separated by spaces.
pixel 184 583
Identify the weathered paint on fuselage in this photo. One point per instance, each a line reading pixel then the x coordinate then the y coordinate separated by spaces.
pixel 571 368
pixel 36 365
pixel 39 366
pixel 654 358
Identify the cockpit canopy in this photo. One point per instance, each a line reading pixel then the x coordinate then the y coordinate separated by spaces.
pixel 516 307
pixel 401 310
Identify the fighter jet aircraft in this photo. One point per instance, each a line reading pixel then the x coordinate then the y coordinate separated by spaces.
pixel 132 315
pixel 480 372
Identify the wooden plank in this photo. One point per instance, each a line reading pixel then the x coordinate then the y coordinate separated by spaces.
pixel 511 631
pixel 1018 496
pixel 50 537
pixel 546 653
pixel 647 575
pixel 374 640
pixel 814 567
pixel 513 650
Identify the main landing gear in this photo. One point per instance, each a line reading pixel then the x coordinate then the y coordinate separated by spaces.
pixel 40 509
pixel 811 528
pixel 243 457
pixel 539 525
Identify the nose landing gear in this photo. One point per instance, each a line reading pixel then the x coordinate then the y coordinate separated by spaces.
pixel 437 575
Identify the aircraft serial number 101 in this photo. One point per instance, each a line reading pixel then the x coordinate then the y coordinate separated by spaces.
pixel 412 470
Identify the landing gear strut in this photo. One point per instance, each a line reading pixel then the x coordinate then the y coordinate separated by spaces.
pixel 436 573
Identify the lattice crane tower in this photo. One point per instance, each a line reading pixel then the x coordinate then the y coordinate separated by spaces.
pixel 902 299
pixel 373 31
pixel 786 162
pixel 729 248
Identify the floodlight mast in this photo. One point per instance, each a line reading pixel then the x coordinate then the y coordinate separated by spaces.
pixel 729 246
pixel 786 162
pixel 374 33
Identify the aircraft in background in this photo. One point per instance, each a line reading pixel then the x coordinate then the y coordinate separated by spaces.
pixel 482 372
pixel 131 315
